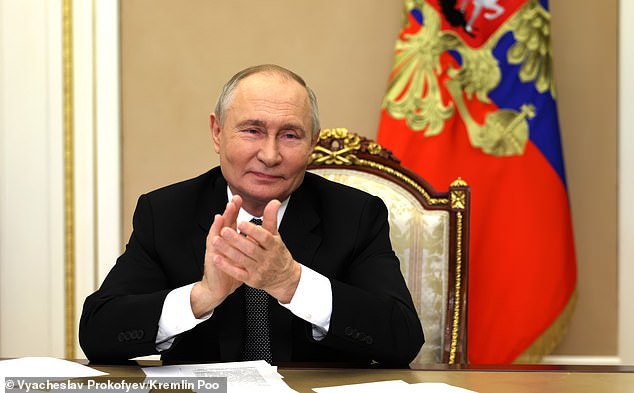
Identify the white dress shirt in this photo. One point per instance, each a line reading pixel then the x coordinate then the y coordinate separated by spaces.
pixel 177 315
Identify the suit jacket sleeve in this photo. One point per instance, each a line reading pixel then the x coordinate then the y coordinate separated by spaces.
pixel 373 312
pixel 120 320
pixel 344 235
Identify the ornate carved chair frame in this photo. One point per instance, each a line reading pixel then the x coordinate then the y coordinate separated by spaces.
pixel 340 149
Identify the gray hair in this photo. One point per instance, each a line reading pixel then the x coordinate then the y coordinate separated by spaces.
pixel 224 100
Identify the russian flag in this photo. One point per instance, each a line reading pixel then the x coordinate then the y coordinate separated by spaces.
pixel 471 95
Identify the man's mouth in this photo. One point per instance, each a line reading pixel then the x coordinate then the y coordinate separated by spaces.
pixel 265 176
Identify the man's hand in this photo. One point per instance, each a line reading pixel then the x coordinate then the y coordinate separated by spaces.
pixel 215 285
pixel 258 257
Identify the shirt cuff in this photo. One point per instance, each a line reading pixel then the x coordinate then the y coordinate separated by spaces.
pixel 305 304
pixel 176 317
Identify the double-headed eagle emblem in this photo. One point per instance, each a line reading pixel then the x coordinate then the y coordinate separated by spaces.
pixel 426 95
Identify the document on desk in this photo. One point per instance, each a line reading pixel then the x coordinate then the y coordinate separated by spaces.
pixel 395 386
pixel 253 376
pixel 52 367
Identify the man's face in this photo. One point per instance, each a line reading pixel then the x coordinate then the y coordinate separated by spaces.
pixel 265 141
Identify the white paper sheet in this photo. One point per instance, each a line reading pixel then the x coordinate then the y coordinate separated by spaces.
pixel 14 373
pixel 255 376
pixel 394 386
pixel 45 367
pixel 438 387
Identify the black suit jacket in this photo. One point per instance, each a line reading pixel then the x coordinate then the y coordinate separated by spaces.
pixel 335 230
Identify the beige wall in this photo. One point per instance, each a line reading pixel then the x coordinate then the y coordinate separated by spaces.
pixel 585 49
pixel 176 55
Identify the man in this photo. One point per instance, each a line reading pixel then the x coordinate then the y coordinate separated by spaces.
pixel 321 258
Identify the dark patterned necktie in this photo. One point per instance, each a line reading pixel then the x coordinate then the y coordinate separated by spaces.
pixel 257 344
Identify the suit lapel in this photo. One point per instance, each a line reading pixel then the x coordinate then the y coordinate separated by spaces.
pixel 299 228
pixel 213 200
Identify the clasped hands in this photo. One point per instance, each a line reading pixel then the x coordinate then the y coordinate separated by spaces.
pixel 238 253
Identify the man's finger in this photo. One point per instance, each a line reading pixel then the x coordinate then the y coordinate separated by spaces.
pixel 216 226
pixel 240 249
pixel 228 267
pixel 269 219
pixel 231 211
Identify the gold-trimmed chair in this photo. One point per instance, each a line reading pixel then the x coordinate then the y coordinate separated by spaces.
pixel 429 231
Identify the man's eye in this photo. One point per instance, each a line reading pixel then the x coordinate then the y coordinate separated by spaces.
pixel 289 135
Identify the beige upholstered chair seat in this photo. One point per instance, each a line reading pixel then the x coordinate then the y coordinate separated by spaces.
pixel 423 237
pixel 417 234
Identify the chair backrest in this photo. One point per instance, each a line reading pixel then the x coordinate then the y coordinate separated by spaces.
pixel 429 231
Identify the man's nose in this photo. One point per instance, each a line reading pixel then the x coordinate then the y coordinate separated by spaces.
pixel 269 152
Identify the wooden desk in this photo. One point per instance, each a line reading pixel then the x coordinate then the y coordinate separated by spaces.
pixel 482 379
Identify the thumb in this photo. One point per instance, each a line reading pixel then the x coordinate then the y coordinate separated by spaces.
pixel 269 218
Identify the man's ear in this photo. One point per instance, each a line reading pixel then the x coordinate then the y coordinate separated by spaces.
pixel 315 138
pixel 214 127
